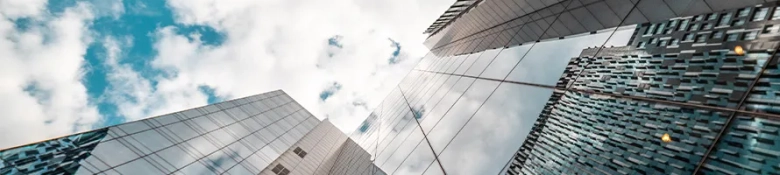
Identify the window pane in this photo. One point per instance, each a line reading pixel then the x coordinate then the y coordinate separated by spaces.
pixel 495 132
pixel 139 166
pixel 547 60
pixel 505 61
pixel 201 146
pixel 113 153
pixel 205 123
pixel 484 59
pixel 221 161
pixel 182 131
pixel 460 113
pixel 133 127
pixel 176 157
pixel 150 141
pixel 417 161
pixel 442 106
pixel 196 168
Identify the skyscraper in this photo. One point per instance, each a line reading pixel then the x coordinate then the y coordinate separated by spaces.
pixel 508 89
pixel 268 133
pixel 661 87
pixel 697 78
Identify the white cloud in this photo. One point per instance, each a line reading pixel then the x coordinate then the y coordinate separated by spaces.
pixel 273 45
pixel 45 59
pixel 16 8
pixel 268 45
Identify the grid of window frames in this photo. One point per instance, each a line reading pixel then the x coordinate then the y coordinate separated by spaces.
pixel 241 136
pixel 500 19
pixel 468 106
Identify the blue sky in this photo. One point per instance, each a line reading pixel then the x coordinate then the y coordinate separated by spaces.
pixel 75 65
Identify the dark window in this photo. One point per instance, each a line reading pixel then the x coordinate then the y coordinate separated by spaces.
pixel 761 14
pixel 768 29
pixel 688 37
pixel 297 150
pixel 750 35
pixel 712 16
pixel 650 29
pixel 300 152
pixel 698 18
pixel 701 38
pixel 707 26
pixel 674 42
pixel 724 19
pixel 683 25
pixel 717 34
pixel 737 22
pixel 694 27
pixel 743 12
pixel 280 170
pixel 732 37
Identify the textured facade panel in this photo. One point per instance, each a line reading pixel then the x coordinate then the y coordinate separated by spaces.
pixel 579 17
pixel 594 133
pixel 751 146
pixel 58 156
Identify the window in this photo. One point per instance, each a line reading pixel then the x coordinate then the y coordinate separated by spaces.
pixel 760 14
pixel 732 37
pixel 641 45
pixel 650 29
pixel 724 19
pixel 688 37
pixel 660 28
pixel 694 27
pixel 662 43
pixel 768 29
pixel 683 25
pixel 717 34
pixel 712 16
pixel 280 170
pixel 701 38
pixel 707 26
pixel 672 23
pixel 743 12
pixel 675 42
pixel 653 40
pixel 750 35
pixel 776 15
pixel 300 152
pixel 738 22
pixel 698 18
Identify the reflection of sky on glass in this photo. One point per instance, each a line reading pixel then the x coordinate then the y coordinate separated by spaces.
pixel 547 60
pixel 473 129
pixel 498 128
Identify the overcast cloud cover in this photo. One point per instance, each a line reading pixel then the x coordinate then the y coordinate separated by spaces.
pixel 68 66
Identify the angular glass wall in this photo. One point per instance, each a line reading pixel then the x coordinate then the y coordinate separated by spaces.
pixel 571 89
pixel 241 136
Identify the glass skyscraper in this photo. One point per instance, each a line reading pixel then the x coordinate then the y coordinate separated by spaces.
pixel 268 133
pixel 509 87
pixel 587 87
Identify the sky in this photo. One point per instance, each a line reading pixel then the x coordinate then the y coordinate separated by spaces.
pixel 74 65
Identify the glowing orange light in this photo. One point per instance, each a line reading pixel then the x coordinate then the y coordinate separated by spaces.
pixel 666 138
pixel 739 50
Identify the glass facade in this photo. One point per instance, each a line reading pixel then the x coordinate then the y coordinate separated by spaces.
pixel 573 86
pixel 268 133
pixel 509 87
